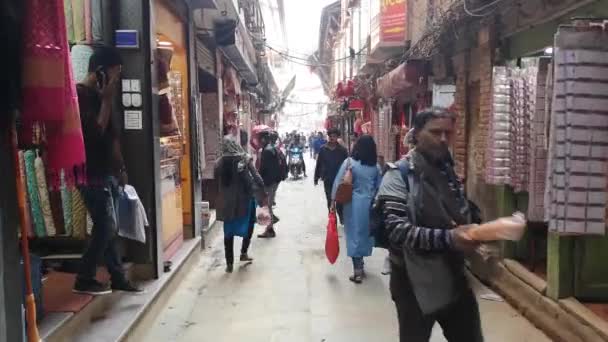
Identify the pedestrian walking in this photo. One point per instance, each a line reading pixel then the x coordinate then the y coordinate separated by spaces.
pixel 366 177
pixel 311 141
pixel 329 160
pixel 320 142
pixel 426 215
pixel 240 186
pixel 272 172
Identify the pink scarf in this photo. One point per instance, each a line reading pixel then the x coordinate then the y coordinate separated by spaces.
pixel 49 94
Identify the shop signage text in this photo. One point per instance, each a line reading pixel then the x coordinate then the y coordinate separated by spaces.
pixel 393 20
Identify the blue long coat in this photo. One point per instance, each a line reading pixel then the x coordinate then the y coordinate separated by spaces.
pixel 366 180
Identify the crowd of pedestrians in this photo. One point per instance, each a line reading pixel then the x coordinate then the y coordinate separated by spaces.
pixel 415 208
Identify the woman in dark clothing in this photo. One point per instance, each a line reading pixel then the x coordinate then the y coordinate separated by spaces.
pixel 240 186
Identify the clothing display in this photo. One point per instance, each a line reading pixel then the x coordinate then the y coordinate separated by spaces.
pixel 79 215
pixel 498 154
pixel 66 204
pixel 22 176
pixel 578 143
pixel 48 85
pixel 43 195
pixel 32 190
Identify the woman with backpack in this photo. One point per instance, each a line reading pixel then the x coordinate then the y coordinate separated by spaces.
pixel 366 176
pixel 240 186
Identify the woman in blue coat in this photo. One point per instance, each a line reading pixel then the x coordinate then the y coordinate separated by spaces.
pixel 366 180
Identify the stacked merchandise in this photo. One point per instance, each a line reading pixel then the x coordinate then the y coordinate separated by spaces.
pixel 499 138
pixel 578 140
pixel 538 150
pixel 384 125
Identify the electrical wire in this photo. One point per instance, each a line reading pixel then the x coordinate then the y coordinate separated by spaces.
pixel 475 12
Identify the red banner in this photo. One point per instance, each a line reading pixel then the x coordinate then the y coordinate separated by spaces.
pixel 393 20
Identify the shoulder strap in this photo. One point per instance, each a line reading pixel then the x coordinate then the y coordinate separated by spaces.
pixel 412 188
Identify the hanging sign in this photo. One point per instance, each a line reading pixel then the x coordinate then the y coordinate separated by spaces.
pixel 393 20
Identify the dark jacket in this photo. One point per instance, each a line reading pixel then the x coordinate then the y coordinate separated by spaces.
pixel 329 162
pixel 245 183
pixel 439 205
pixel 269 165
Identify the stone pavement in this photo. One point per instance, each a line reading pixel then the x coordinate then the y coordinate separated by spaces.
pixel 292 294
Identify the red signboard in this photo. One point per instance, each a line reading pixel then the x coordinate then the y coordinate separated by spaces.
pixel 392 20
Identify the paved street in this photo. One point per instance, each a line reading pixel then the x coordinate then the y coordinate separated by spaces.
pixel 292 294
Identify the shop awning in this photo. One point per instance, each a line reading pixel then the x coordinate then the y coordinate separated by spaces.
pixel 404 77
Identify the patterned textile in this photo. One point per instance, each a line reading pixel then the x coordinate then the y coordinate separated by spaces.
pixel 69 19
pixel 79 21
pixel 32 190
pixel 578 149
pixel 43 195
pixel 50 91
pixel 28 215
pixel 97 20
pixel 538 151
pixel 66 203
pixel 88 34
pixel 79 215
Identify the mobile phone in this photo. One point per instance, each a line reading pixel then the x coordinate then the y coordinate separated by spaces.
pixel 101 77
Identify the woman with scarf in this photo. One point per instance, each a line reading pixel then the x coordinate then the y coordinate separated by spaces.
pixel 240 186
pixel 366 180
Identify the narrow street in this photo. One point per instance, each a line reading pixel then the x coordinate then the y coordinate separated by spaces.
pixel 291 293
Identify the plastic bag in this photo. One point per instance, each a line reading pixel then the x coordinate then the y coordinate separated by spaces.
pixel 132 219
pixel 263 216
pixel 505 228
pixel 332 244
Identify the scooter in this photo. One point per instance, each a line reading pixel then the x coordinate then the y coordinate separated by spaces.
pixel 296 163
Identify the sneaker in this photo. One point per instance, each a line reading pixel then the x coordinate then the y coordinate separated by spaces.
pixel 91 287
pixel 246 258
pixel 125 286
pixel 268 234
pixel 229 268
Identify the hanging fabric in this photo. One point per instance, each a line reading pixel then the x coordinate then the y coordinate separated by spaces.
pixel 43 195
pixel 79 21
pixel 66 204
pixel 23 182
pixel 578 150
pixel 69 19
pixel 88 34
pixel 50 92
pixel 97 20
pixel 79 215
pixel 32 190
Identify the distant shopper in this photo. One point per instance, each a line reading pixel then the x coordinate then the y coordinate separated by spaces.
pixel 311 141
pixel 329 160
pixel 426 217
pixel 105 169
pixel 320 142
pixel 240 185
pixel 272 174
pixel 366 180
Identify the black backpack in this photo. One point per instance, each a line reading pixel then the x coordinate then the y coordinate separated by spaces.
pixel 283 168
pixel 377 228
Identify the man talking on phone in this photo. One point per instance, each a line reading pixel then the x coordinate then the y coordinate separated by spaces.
pixel 105 170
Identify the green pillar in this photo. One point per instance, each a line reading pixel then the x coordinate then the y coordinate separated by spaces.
pixel 560 266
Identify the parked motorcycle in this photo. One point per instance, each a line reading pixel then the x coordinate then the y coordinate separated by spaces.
pixel 296 162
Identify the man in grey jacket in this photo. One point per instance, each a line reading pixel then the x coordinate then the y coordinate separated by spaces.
pixel 426 215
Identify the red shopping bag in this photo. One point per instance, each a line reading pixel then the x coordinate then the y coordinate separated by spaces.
pixel 332 244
